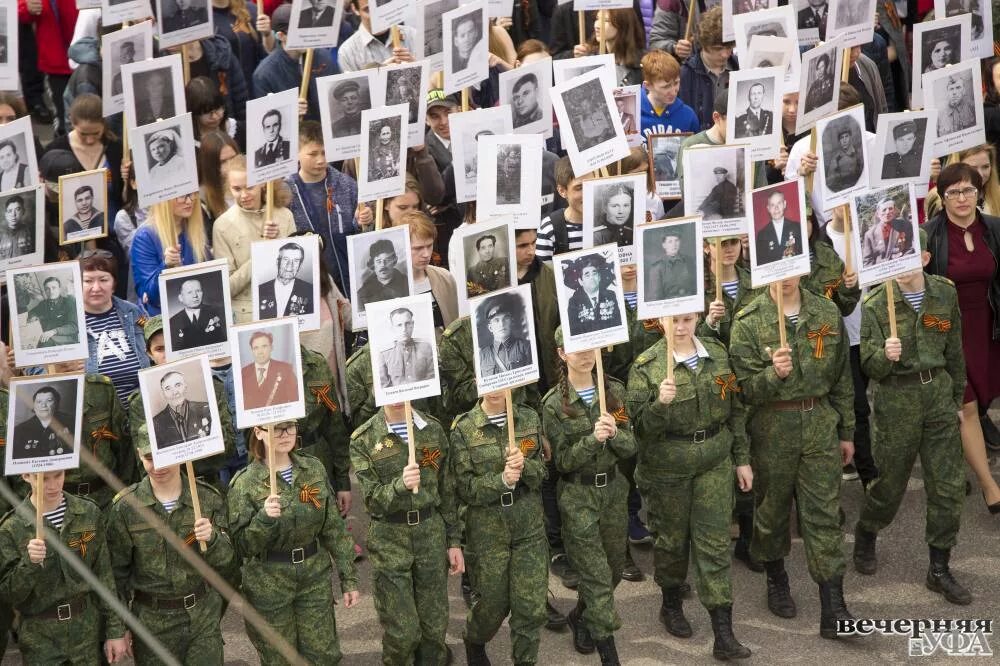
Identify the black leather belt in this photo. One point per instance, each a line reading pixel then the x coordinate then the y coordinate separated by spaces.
pixel 86 488
pixel 63 612
pixel 922 377
pixel 509 497
pixel 598 480
pixel 803 405
pixel 697 437
pixel 187 602
pixel 414 517
pixel 293 556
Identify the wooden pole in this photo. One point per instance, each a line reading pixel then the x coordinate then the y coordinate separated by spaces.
pixel 394 30
pixel 272 473
pixel 718 269
pixel 509 399
pixel 269 201
pixel 39 527
pixel 848 241
pixel 195 502
pixel 891 302
pixel 411 450
pixel 812 149
pixel 604 40
pixel 780 302
pixel 306 74
pixel 378 215
pixel 687 30
pixel 125 139
pixel 600 381
pixel 185 63
pixel 845 69
pixel 668 332
pixel 465 99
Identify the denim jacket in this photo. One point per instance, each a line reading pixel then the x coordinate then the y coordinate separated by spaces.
pixel 132 319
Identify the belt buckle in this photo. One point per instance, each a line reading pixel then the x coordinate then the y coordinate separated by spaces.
pixel 67 616
pixel 808 401
pixel 507 499
pixel 699 436
pixel 191 599
pixel 601 480
pixel 298 556
pixel 413 517
pixel 930 376
pixel 83 489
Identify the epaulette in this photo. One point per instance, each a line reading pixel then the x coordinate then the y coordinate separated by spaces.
pixel 552 390
pixel 360 430
pixel 940 278
pixel 10 512
pixel 874 291
pixel 643 358
pixel 453 326
pixel 123 492
pixel 712 344
pixel 454 421
pixel 302 454
pixel 237 475
pixel 310 357
pixel 357 354
pixel 746 309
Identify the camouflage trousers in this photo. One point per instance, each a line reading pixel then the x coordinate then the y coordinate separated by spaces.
pixel 509 575
pixel 690 500
pixel 797 455
pixel 410 590
pixel 918 419
pixel 192 636
pixel 297 601
pixel 6 620
pixel 594 530
pixel 75 642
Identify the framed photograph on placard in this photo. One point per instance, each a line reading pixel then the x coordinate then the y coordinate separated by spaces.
pixel 154 90
pixel 315 24
pixel 123 47
pixel 165 160
pixel 385 13
pixel 810 20
pixel 503 337
pixel 842 168
pixel 591 129
pixel 526 89
pixel 273 137
pixel 466 129
pixel 936 45
pixel 178 401
pixel 820 77
pixel 23 228
pixel 485 258
pixel 673 268
pixel 183 21
pixel 197 310
pixel 591 302
pixel 285 280
pixel 83 206
pixel 663 151
pixel 629 110
pixel 778 235
pixel 956 93
pixel 114 12
pixel 9 77
pixel 770 51
pixel 570 68
pixel 755 110
pixel 343 99
pixel 46 306
pixel 721 199
pixel 428 24
pixel 268 384
pixel 853 21
pixel 405 83
pixel 731 8
pixel 612 208
pixel 380 269
pixel 403 348
pixel 510 186
pixel 981 14
pixel 885 233
pixel 44 424
pixel 774 22
pixel 903 148
pixel 18 162
pixel 383 153
pixel 466 56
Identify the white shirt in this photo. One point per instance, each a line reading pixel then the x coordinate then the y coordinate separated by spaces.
pixel 698 347
pixel 445 142
pixel 258 369
pixel 852 322
pixel 8 179
pixel 192 313
pixel 779 228
pixel 282 293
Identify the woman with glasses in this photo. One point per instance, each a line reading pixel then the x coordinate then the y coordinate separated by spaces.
pixel 286 539
pixel 965 245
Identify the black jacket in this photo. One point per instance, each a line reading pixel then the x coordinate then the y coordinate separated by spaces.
pixel 937 245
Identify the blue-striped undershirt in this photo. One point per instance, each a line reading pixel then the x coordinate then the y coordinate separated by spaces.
pixel 588 394
pixel 631 299
pixel 170 505
pixel 499 420
pixel 57 515
pixel 731 288
pixel 117 358
pixel 400 430
pixel 286 474
pixel 794 318
pixel 914 298
pixel 692 362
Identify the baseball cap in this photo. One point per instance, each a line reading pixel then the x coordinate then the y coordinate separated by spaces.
pixel 437 97
pixel 153 326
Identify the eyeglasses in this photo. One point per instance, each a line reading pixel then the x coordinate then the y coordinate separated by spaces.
pixel 186 197
pixel 964 193
pixel 283 430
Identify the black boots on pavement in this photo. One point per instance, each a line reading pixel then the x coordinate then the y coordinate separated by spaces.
pixel 726 646
pixel 940 580
pixel 672 613
pixel 779 595
pixel 832 606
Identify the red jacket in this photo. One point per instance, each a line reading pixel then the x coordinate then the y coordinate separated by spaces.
pixel 53 35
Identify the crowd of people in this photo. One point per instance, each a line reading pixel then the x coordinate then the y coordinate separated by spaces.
pixel 744 426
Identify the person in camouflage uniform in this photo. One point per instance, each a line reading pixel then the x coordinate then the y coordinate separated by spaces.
pixel 168 596
pixel 61 617
pixel 690 432
pixel 504 525
pixel 323 431
pixel 802 399
pixel 919 385
pixel 413 538
pixel 361 394
pixel 286 542
pixel 828 276
pixel 587 446
pixel 6 611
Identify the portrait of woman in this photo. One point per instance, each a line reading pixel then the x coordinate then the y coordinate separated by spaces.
pixel 164 153
pixel 593 305
pixel 614 220
pixel 467 40
pixel 384 162
pixel 940 50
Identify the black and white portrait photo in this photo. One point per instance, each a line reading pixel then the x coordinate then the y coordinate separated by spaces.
pixel 755 119
pixel 886 232
pixel 507 187
pixel 344 97
pixel 273 136
pixel 466 57
pixel 312 24
pixel 114 12
pixel 672 276
pixel 956 94
pixel 46 303
pixel 811 17
pixel 123 47
pixel 429 24
pixel 196 310
pixel 315 14
pixel 504 339
pixel 385 13
pixel 183 21
pixel 179 404
pixel 755 110
pixel 508 171
pixel 405 83
pixel 773 22
pixel 820 71
pixel 22 228
pixel 154 90
pixel 591 130
pixel 569 68
pixel 612 207
pixel 268 381
pixel 383 152
pixel 843 163
pixel 9 76
pixel 771 51
pixel 721 198
pixel 18 162
pixel 44 423
pixel 380 269
pixel 285 280
pixel 403 349
pixel 980 13
pixel 526 89
pixel 851 22
pixel 664 163
pixel 83 206
pixel 731 8
pixel 591 303
pixel 778 238
pixel 902 149
pixel 467 128
pixel 936 45
pixel 629 106
pixel 165 162
pixel 590 121
pixel 487 259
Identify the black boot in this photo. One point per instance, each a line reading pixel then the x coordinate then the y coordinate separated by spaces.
pixel 555 621
pixel 466 589
pixel 672 613
pixel 475 654
pixel 864 551
pixel 779 595
pixel 940 580
pixel 631 572
pixel 742 549
pixel 832 606
pixel 609 654
pixel 726 646
pixel 582 641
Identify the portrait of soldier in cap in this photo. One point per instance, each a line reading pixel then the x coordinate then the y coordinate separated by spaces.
pixel 890 234
pixel 502 346
pixel 906 160
pixel 348 99
pixel 593 305
pixel 723 199
pixel 673 274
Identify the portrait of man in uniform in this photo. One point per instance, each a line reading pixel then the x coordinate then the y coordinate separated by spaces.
pixel 409 360
pixel 491 271
pixel 287 295
pixel 386 279
pixel 505 348
pixel 814 16
pixel 197 323
pixel 890 236
pixel 957 113
pixel 349 100
pixel 593 306
pixel 87 216
pixel 56 315
pixel 780 237
pixel 126 56
pixel 844 160
pixel 182 420
pixel 906 160
pixel 673 274
pixel 723 199
pixel 276 148
pixel 317 14
pixel 189 13
pixel 524 100
pixel 508 174
pixel 820 84
pixel 48 431
pixel 17 233
pixel 757 121
pixel 267 381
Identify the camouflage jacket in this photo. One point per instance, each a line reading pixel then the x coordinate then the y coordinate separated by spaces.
pixel 827 278
pixel 744 295
pixel 323 431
